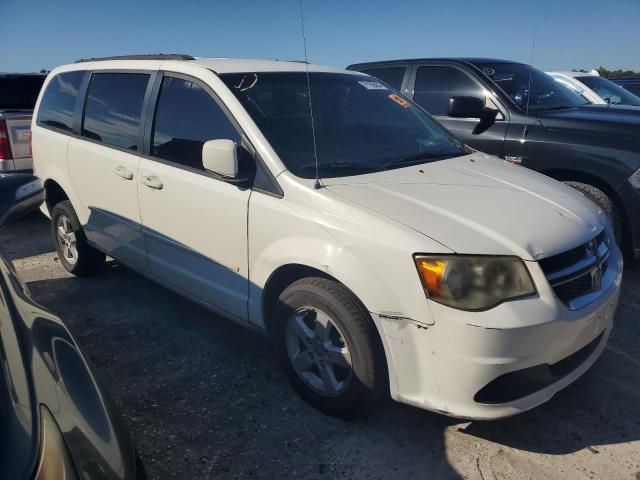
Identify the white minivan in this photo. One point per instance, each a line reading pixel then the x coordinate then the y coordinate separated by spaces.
pixel 321 206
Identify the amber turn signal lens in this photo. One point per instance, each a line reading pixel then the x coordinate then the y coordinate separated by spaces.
pixel 431 272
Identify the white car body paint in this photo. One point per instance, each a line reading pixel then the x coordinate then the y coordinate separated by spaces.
pixel 569 80
pixel 363 231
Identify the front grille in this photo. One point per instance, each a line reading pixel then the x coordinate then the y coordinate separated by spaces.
pixel 574 289
pixel 578 272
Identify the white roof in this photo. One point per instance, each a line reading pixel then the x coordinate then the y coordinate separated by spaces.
pixel 242 65
pixel 218 65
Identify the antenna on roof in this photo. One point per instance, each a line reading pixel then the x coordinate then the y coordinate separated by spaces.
pixel 525 130
pixel 317 185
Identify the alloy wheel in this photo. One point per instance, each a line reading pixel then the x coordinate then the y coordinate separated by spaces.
pixel 318 351
pixel 67 239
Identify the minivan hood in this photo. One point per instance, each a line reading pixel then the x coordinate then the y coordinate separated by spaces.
pixel 478 204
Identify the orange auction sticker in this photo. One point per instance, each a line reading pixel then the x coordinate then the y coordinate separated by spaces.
pixel 399 100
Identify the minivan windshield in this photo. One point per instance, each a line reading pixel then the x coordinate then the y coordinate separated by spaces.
pixel 361 124
pixel 529 87
pixel 610 92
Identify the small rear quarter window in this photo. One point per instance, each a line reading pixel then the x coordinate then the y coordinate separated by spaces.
pixel 58 103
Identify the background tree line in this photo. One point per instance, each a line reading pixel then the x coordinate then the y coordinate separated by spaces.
pixel 612 73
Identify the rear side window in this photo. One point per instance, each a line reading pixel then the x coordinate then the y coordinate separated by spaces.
pixel 58 103
pixel 114 107
pixel 436 85
pixel 20 92
pixel 187 117
pixel 392 75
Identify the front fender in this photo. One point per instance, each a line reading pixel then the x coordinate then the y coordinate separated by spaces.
pixel 319 250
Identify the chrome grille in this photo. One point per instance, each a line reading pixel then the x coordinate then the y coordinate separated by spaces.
pixel 578 273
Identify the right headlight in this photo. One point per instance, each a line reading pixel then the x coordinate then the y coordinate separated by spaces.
pixel 471 282
pixel 634 179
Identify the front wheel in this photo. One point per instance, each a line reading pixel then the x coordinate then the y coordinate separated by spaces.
pixel 329 347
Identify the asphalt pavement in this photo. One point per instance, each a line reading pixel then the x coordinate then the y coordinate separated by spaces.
pixel 205 398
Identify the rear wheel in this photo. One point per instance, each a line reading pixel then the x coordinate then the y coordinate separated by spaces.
pixel 329 347
pixel 74 252
pixel 603 201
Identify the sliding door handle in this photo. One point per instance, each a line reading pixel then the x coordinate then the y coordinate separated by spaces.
pixel 152 182
pixel 122 172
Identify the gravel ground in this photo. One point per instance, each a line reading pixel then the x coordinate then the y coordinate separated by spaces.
pixel 205 398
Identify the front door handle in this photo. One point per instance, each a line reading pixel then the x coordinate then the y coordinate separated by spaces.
pixel 152 182
pixel 122 172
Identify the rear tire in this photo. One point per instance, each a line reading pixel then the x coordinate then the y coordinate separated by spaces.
pixel 329 347
pixel 74 252
pixel 601 199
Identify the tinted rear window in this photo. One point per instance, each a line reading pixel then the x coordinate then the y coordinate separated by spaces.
pixel 114 107
pixel 20 92
pixel 392 75
pixel 58 103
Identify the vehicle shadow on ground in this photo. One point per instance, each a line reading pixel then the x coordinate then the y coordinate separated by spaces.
pixel 205 398
pixel 28 237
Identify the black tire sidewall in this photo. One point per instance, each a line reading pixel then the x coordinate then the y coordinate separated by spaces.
pixel 348 316
pixel 89 259
pixel 603 201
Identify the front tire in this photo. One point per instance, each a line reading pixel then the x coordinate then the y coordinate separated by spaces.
pixel 603 201
pixel 74 252
pixel 329 347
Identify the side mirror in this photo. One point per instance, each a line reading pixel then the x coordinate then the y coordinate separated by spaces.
pixel 20 194
pixel 220 157
pixel 467 107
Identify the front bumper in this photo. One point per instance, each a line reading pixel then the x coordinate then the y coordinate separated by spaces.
pixel 443 367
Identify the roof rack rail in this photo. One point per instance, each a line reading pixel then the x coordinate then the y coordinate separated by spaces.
pixel 148 56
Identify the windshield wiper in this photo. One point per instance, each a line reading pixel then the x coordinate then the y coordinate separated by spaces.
pixel 563 107
pixel 339 165
pixel 416 160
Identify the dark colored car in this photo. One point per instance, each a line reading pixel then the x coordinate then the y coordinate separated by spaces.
pixel 630 83
pixel 55 421
pixel 519 113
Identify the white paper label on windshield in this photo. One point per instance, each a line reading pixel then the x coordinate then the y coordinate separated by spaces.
pixel 372 85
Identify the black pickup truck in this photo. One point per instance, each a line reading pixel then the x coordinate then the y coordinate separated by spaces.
pixel 519 113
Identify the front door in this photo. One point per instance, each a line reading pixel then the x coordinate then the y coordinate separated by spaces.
pixel 433 87
pixel 195 225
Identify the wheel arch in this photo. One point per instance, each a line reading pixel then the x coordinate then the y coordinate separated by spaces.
pixel 54 193
pixel 287 274
pixel 280 279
